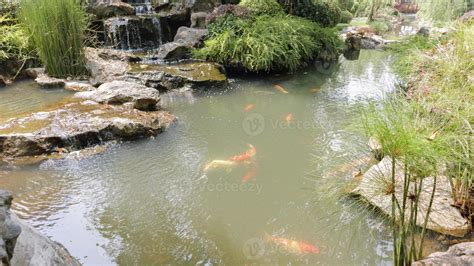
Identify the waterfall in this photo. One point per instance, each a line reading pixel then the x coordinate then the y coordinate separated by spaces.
pixel 142 7
pixel 123 33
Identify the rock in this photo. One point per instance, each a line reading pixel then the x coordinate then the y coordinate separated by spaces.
pixel 353 41
pixel 120 92
pixel 171 19
pixel 424 31
pixel 9 229
pixel 46 81
pixel 32 248
pixel 107 9
pixel 105 65
pixel 78 86
pixel 172 77
pixel 198 20
pixel 444 218
pixel 459 254
pixel 3 81
pixel 468 16
pixel 190 36
pixel 34 72
pixel 76 126
pixel 201 5
pixel 173 51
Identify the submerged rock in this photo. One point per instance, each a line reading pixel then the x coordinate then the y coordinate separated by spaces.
pixel 119 92
pixel 170 77
pixel 76 126
pixel 459 254
pixel 444 218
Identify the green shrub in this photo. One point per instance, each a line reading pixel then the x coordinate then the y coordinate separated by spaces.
pixel 346 17
pixel 379 27
pixel 327 14
pixel 269 43
pixel 57 29
pixel 8 8
pixel 263 7
pixel 14 42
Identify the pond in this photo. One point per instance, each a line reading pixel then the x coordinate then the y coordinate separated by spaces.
pixel 151 202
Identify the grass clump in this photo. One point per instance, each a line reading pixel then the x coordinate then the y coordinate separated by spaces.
pixel 57 29
pixel 428 129
pixel 267 43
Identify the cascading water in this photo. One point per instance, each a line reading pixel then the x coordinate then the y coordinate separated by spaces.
pixel 123 33
pixel 142 7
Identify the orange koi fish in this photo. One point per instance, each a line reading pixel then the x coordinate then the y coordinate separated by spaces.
pixel 296 247
pixel 245 156
pixel 249 107
pixel 280 89
pixel 289 118
pixel 249 175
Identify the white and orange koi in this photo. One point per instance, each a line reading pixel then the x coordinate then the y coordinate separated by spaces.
pixel 251 152
pixel 295 247
pixel 249 107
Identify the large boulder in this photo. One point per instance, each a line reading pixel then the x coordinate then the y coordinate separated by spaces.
pixel 173 51
pixel 170 77
pixel 185 39
pixel 198 20
pixel 78 125
pixel 106 65
pixel 111 8
pixel 119 92
pixel 190 36
pixel 457 255
pixel 444 218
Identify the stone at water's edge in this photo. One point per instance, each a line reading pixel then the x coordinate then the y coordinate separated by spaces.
pixel 48 82
pixel 444 218
pixel 175 76
pixel 119 92
pixel 21 244
pixel 106 65
pixel 9 228
pixel 76 126
pixel 457 255
pixel 185 39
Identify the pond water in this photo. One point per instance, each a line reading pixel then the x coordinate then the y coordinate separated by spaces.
pixel 150 202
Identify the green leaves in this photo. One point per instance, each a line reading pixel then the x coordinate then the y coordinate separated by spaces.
pixel 267 43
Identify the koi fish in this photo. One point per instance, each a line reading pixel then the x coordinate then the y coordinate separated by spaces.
pixel 249 175
pixel 249 107
pixel 297 247
pixel 280 89
pixel 219 163
pixel 246 155
pixel 289 118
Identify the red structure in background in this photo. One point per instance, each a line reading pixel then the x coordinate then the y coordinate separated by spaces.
pixel 406 6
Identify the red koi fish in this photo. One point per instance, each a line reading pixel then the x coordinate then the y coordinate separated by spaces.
pixel 289 118
pixel 248 176
pixel 296 247
pixel 245 156
pixel 280 89
pixel 249 107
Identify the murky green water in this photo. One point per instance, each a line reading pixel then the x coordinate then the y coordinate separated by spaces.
pixel 150 202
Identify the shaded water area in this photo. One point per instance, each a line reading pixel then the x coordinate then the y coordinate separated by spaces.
pixel 150 202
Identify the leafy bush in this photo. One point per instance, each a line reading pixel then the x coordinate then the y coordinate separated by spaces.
pixel 379 27
pixel 222 10
pixel 327 14
pixel 263 7
pixel 346 17
pixel 14 42
pixel 57 29
pixel 268 43
pixel 8 8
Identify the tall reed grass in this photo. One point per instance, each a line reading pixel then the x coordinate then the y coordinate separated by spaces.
pixel 57 29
